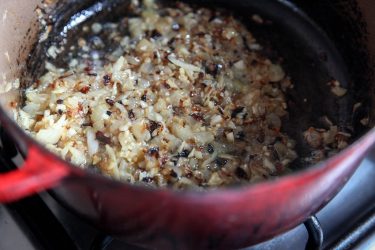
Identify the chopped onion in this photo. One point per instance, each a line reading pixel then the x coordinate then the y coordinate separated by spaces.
pixel 183 65
pixel 92 143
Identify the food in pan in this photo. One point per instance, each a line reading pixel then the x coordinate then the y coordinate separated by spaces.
pixel 186 100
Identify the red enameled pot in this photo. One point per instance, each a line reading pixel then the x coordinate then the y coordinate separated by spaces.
pixel 224 218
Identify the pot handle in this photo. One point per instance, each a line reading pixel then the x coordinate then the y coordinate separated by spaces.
pixel 39 172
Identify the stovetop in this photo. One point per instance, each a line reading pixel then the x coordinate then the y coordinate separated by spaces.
pixel 348 221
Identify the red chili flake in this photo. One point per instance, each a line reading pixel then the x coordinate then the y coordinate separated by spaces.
pixel 80 107
pixel 166 85
pixel 52 85
pixel 85 89
pixel 197 116
pixel 217 32
pixel 163 160
pixel 102 138
pixel 13 104
pixel 279 167
pixel 37 82
pixel 88 69
pixel 106 79
pixel 110 102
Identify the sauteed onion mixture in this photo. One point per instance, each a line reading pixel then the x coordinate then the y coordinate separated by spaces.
pixel 186 100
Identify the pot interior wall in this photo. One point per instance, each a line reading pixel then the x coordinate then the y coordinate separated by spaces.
pixel 18 31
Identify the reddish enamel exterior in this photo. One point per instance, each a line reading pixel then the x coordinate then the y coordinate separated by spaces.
pixel 39 172
pixel 219 219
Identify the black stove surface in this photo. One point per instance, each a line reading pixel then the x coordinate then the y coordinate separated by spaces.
pixel 348 221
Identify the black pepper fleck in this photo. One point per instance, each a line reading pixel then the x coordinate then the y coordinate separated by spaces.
pixel 147 179
pixel 210 149
pixel 240 135
pixel 59 101
pixel 153 151
pixel 184 153
pixel 236 111
pixel 173 174
pixel 106 79
pixel 155 34
pixel 220 162
pixel 240 173
pixel 131 115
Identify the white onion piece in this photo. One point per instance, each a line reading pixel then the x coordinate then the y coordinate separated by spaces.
pixel 183 65
pixel 92 143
